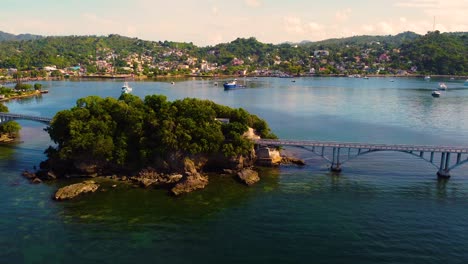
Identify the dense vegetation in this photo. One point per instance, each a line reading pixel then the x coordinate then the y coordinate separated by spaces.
pixel 10 128
pixel 438 53
pixel 433 53
pixel 131 132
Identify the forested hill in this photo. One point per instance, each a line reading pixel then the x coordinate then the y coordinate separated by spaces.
pixel 433 53
pixel 366 39
pixel 7 36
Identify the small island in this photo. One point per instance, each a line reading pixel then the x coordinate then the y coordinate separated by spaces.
pixel 151 142
pixel 21 90
pixel 9 131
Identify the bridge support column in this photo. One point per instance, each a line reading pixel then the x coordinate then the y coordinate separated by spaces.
pixel 444 171
pixel 336 166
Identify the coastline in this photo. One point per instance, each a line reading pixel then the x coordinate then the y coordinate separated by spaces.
pixel 221 76
pixel 35 93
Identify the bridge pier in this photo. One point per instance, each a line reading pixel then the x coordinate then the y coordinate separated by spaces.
pixel 443 174
pixel 336 166
pixel 444 168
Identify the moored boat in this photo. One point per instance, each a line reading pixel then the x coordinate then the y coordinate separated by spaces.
pixel 232 85
pixel 442 86
pixel 126 88
pixel 435 94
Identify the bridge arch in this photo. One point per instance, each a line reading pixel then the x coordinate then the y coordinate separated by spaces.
pixel 381 150
pixel 354 156
pixel 332 152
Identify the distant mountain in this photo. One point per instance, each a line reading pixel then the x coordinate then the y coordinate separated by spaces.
pixel 7 36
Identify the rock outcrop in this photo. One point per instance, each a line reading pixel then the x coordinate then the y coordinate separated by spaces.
pixel 248 176
pixel 190 183
pixel 71 191
pixel 292 160
pixel 150 176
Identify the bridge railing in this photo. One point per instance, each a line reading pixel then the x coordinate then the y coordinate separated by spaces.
pixel 11 116
pixel 354 145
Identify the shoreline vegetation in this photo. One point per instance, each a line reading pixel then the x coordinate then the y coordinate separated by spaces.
pixel 153 143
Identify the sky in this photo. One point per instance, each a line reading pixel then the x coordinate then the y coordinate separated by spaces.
pixel 209 22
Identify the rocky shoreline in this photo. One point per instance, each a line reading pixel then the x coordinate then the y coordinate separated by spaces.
pixel 178 182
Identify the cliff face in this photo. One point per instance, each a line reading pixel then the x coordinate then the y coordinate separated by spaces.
pixel 172 163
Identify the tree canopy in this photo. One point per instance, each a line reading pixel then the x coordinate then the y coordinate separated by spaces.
pixel 11 128
pixel 135 132
pixel 433 53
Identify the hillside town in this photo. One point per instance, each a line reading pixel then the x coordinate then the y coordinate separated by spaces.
pixel 116 56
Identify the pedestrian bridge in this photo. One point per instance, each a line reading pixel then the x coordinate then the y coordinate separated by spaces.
pixel 444 158
pixel 5 117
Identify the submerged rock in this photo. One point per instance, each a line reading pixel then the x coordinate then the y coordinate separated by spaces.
pixel 191 183
pixel 292 160
pixel 71 191
pixel 248 176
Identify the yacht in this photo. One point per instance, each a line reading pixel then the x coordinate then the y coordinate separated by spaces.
pixel 442 86
pixel 435 94
pixel 126 88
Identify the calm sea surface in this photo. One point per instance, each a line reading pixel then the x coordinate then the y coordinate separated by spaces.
pixel 383 208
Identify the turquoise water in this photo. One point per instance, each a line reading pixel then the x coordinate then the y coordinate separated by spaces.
pixel 383 208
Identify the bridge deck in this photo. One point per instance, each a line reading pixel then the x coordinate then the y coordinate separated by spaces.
pixel 26 117
pixel 307 143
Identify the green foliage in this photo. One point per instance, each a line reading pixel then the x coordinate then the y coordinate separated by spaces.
pixel 11 128
pixel 135 132
pixel 433 53
pixel 37 86
pixel 3 108
pixel 437 53
pixel 23 86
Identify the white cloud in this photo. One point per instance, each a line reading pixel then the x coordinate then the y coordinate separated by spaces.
pixel 215 10
pixel 314 26
pixel 217 38
pixel 293 25
pixel 93 18
pixel 386 28
pixel 449 15
pixel 368 28
pixel 417 3
pixel 253 3
pixel 343 15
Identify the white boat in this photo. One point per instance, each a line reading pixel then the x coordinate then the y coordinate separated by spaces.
pixel 427 78
pixel 435 94
pixel 442 86
pixel 126 88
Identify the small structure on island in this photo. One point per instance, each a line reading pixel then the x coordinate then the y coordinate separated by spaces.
pixel 268 156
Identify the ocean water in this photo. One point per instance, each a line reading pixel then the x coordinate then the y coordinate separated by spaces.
pixel 383 208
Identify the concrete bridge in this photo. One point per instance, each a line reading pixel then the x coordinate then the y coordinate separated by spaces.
pixel 5 117
pixel 338 153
